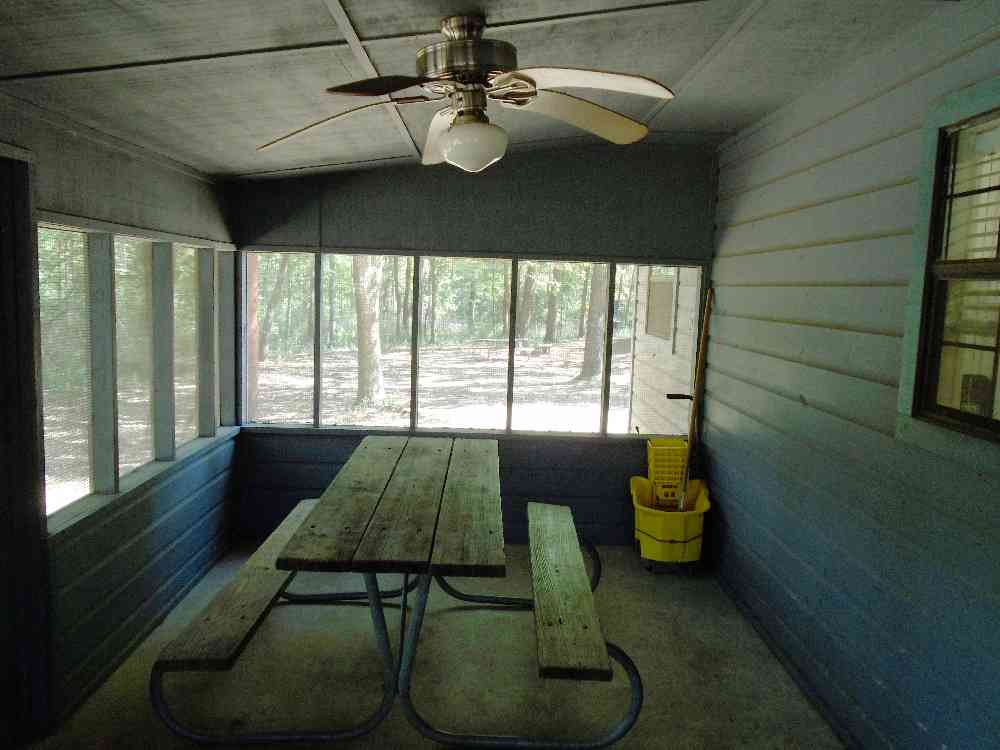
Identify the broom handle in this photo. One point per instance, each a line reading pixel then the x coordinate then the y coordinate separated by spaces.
pixel 699 376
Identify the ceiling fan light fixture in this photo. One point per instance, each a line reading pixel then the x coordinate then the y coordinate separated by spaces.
pixel 472 144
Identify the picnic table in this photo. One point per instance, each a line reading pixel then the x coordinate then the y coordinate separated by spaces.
pixel 427 507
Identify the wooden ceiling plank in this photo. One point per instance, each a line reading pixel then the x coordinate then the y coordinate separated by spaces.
pixel 343 21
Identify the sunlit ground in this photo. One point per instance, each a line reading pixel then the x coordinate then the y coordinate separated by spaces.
pixel 459 387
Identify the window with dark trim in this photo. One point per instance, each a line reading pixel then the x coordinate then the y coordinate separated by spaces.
pixel 960 346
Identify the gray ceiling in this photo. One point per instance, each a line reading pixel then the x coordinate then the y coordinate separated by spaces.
pixel 204 82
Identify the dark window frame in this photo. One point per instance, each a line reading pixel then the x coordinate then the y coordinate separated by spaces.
pixel 939 271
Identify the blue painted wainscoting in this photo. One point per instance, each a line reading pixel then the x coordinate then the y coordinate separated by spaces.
pixel 280 467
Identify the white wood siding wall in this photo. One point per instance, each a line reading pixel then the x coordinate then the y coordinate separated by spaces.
pixel 665 366
pixel 872 565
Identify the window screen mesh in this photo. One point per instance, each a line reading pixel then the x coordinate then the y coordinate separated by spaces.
pixel 562 309
pixel 63 288
pixel 134 337
pixel 279 337
pixel 462 378
pixel 186 344
pixel 366 364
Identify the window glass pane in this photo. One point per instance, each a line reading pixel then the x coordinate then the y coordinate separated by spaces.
pixel 559 357
pixel 972 312
pixel 279 338
pixel 134 336
pixel 656 365
pixel 63 289
pixel 463 343
pixel 973 220
pixel 972 227
pixel 185 344
pixel 366 367
pixel 965 380
pixel 977 157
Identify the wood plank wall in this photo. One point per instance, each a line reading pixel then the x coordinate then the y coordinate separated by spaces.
pixel 665 366
pixel 116 574
pixel 590 475
pixel 871 565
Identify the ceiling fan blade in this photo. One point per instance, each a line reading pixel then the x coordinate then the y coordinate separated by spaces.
pixel 432 146
pixel 331 118
pixel 380 86
pixel 554 78
pixel 585 115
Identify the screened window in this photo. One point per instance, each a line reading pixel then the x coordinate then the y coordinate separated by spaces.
pixel 64 294
pixel 574 371
pixel 559 351
pixel 462 381
pixel 186 344
pixel 962 320
pixel 134 349
pixel 279 355
pixel 365 333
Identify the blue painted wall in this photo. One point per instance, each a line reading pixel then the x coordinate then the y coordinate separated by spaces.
pixel 648 200
pixel 588 474
pixel 871 563
pixel 116 573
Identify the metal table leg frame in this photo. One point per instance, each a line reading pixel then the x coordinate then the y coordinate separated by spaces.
pixel 514 602
pixel 500 741
pixel 291 597
pixel 292 736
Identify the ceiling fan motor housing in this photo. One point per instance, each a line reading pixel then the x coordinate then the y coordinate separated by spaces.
pixel 465 56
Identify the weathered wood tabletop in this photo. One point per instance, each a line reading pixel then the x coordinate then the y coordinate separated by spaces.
pixel 407 505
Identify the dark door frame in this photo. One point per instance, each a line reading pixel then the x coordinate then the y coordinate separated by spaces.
pixel 24 568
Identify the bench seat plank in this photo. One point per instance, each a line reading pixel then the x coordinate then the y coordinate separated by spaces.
pixel 568 633
pixel 217 636
pixel 329 536
pixel 400 535
pixel 469 536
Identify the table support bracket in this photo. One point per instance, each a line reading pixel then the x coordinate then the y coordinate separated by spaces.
pixel 501 741
pixel 389 675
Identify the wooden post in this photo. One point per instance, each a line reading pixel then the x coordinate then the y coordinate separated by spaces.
pixel 609 333
pixel 318 336
pixel 163 351
pixel 415 344
pixel 103 365
pixel 511 339
pixel 227 313
pixel 208 403
pixel 24 549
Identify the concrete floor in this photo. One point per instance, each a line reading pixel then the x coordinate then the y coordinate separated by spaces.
pixel 710 681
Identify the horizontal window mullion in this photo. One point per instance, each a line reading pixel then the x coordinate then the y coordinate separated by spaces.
pixel 966 269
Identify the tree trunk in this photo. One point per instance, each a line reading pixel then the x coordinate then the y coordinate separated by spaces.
pixel 506 302
pixel 253 336
pixel 398 296
pixel 581 321
pixel 309 294
pixel 272 299
pixel 552 307
pixel 367 271
pixel 407 286
pixel 430 320
pixel 597 312
pixel 526 300
pixel 331 318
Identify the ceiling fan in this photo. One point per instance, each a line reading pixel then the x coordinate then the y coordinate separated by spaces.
pixel 468 71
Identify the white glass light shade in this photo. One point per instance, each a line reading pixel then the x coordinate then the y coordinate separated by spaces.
pixel 473 146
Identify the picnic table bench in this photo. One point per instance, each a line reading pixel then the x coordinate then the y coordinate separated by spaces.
pixel 428 507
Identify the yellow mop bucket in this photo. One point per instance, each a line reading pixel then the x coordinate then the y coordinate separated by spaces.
pixel 669 535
